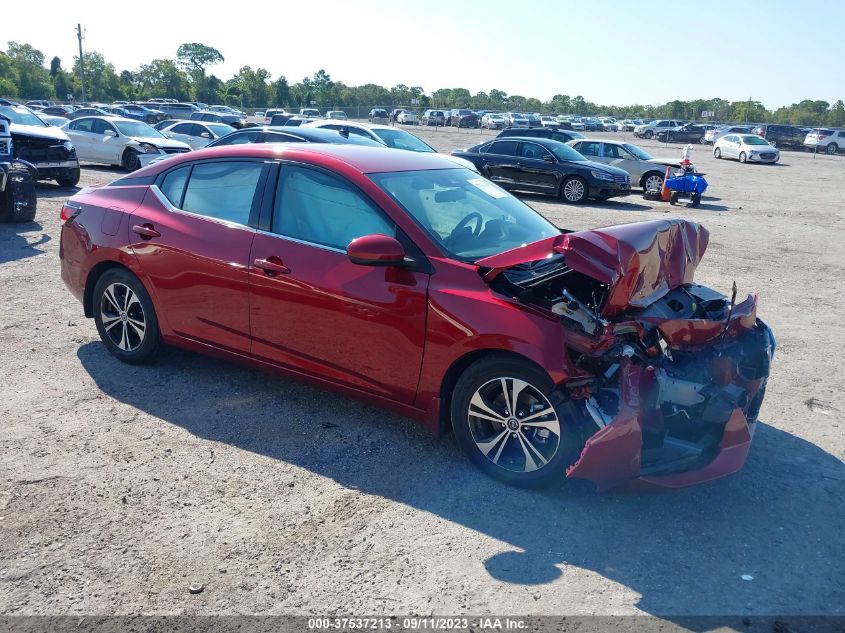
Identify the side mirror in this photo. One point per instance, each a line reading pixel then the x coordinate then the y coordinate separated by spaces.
pixel 205 135
pixel 549 158
pixel 109 133
pixel 376 250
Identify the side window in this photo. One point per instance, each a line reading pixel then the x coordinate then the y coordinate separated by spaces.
pixel 612 151
pixel 173 185
pixel 223 190
pixel 99 127
pixel 589 148
pixel 275 137
pixel 239 139
pixel 182 128
pixel 323 209
pixel 533 151
pixel 563 138
pixel 82 125
pixel 505 148
pixel 485 148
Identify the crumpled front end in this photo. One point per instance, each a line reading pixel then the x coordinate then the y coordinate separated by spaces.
pixel 668 376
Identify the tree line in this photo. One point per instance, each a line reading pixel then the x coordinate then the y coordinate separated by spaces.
pixel 24 74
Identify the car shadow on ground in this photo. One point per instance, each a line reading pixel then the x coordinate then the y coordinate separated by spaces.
pixel 684 552
pixel 50 189
pixel 14 246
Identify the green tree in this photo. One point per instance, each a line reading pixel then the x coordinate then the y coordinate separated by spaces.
pixel 32 78
pixel 281 92
pixel 195 58
pixel 162 78
pixel 836 117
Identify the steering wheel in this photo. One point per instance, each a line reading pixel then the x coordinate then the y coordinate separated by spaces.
pixel 479 221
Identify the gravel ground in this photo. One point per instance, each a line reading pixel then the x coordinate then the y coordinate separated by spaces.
pixel 120 486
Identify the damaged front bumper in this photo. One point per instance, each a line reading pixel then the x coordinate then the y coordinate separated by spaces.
pixel 687 417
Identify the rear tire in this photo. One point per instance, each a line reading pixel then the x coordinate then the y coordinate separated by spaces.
pixel 674 197
pixel 648 134
pixel 832 149
pixel 652 180
pixel 696 199
pixel 125 317
pixel 488 426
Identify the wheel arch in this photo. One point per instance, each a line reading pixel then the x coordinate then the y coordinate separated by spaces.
pixel 97 271
pixel 652 172
pixel 459 366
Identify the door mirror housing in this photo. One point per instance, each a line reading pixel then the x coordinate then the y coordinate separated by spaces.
pixel 549 158
pixel 111 133
pixel 376 250
pixel 205 135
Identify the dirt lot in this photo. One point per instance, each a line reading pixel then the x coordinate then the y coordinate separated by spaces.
pixel 120 486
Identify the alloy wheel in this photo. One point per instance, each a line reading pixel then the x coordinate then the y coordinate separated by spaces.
pixel 573 190
pixel 514 425
pixel 653 182
pixel 123 317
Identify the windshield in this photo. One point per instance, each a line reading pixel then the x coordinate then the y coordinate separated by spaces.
pixel 21 116
pixel 466 214
pixel 136 128
pixel 399 139
pixel 753 140
pixel 564 152
pixel 636 151
pixel 220 129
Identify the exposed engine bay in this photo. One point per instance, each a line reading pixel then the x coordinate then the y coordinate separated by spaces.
pixel 672 374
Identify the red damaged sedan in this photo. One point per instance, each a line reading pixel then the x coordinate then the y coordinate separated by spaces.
pixel 417 285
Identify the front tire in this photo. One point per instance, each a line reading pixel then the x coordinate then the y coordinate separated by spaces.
pixel 131 160
pixel 743 158
pixel 125 317
pixel 648 134
pixel 574 190
pixel 505 423
pixel 71 180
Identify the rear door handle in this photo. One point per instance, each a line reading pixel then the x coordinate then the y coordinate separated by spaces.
pixel 146 231
pixel 271 266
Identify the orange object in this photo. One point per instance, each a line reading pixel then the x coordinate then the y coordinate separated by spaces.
pixel 665 194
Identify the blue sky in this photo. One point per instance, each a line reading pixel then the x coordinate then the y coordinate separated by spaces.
pixel 610 52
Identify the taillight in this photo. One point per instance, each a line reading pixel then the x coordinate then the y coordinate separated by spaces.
pixel 69 212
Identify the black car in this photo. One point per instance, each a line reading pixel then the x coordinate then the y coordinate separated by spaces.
pixel 542 165
pixel 47 148
pixel 782 135
pixel 143 113
pixel 689 133
pixel 462 118
pixel 553 133
pixel 286 134
pixel 59 110
pixel 235 120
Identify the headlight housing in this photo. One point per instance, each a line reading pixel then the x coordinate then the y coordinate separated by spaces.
pixel 600 175
pixel 148 148
pixel 67 145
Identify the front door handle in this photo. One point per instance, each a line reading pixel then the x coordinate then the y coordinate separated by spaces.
pixel 146 231
pixel 271 266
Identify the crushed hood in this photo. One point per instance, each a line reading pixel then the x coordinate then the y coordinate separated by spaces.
pixel 36 131
pixel 639 262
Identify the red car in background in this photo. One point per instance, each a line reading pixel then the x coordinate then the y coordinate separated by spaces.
pixel 398 278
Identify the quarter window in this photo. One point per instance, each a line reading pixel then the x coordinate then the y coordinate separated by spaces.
pixel 82 125
pixel 323 209
pixel 223 190
pixel 173 185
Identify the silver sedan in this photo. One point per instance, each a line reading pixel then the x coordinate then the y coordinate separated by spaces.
pixel 746 148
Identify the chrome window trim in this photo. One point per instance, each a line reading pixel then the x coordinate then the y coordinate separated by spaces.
pixel 296 240
pixel 174 209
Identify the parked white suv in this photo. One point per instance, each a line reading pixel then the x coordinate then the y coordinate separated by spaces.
pixel 826 140
pixel 648 130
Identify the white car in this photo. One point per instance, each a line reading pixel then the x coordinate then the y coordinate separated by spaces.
pixel 197 134
pixel 577 124
pixel 549 121
pixel 309 112
pixel 493 121
pixel 830 141
pixel 338 115
pixel 746 148
pixel 644 170
pixel 119 141
pixel 268 114
pixel 515 119
pixel 406 117
pixel 649 130
pixel 386 135
pixel 221 109
pixel 711 136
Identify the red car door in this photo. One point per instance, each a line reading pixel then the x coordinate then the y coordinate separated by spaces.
pixel 314 310
pixel 192 239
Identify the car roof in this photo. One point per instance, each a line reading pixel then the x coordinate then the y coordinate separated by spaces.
pixel 367 160
pixel 110 118
pixel 533 139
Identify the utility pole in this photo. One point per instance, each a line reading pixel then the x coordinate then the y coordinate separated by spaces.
pixel 81 63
